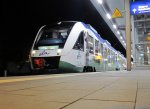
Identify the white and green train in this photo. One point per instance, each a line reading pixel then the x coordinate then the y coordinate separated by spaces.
pixel 72 46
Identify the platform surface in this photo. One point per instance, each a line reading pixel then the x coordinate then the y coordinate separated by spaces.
pixel 99 90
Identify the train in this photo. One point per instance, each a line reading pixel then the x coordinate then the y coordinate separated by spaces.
pixel 73 46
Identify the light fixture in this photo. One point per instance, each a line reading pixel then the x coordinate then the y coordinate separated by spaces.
pixel 108 16
pixel 148 50
pixel 100 1
pixel 118 32
pixel 33 52
pixel 59 23
pixel 114 26
pixel 58 51
pixel 105 59
pixel 121 37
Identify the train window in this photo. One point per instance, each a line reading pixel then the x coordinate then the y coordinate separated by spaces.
pixel 109 56
pixel 55 35
pixel 97 49
pixel 98 55
pixel 105 53
pixel 101 49
pixel 113 57
pixel 116 56
pixel 91 44
pixel 80 42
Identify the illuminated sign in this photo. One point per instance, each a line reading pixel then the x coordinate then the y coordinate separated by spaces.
pixel 117 13
pixel 140 7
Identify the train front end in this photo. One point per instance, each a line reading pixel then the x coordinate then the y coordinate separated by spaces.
pixel 48 45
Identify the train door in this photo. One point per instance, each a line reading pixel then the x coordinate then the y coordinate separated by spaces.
pixel 105 58
pixel 102 53
pixel 79 50
pixel 97 55
pixel 86 49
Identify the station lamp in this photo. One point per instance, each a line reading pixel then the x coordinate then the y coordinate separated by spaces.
pixel 115 27
pixel 108 16
pixel 121 37
pixel 118 32
pixel 100 1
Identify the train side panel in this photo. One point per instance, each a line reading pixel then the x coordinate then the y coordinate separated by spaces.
pixel 73 58
pixel 83 50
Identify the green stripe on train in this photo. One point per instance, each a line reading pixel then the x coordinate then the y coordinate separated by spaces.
pixel 69 67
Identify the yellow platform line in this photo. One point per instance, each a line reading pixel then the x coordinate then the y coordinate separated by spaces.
pixel 39 78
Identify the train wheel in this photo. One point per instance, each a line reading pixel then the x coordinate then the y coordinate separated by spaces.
pixel 91 69
pixel 94 69
pixel 87 68
pixel 84 69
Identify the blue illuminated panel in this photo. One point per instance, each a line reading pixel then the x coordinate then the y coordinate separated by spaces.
pixel 140 7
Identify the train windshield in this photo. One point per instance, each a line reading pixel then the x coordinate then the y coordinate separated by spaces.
pixel 53 37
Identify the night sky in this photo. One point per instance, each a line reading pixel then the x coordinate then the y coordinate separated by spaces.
pixel 22 19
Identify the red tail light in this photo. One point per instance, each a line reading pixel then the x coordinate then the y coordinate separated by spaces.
pixel 39 62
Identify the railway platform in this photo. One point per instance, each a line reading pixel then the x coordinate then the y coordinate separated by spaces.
pixel 98 90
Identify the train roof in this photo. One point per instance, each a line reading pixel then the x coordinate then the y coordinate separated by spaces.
pixel 61 23
pixel 94 31
pixel 99 37
pixel 87 26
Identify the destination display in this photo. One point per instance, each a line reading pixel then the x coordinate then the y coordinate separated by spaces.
pixel 140 7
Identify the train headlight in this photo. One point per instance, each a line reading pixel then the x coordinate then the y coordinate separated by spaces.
pixel 33 52
pixel 58 51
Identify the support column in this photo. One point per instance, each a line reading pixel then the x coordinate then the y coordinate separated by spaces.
pixel 145 55
pixel 136 40
pixel 133 40
pixel 128 34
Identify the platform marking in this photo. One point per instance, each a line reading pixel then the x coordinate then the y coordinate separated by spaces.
pixel 39 78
